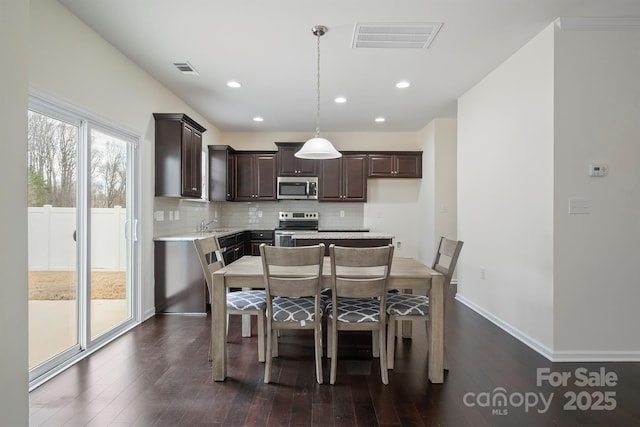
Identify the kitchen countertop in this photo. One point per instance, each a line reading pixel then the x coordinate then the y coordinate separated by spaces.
pixel 343 230
pixel 198 235
pixel 350 233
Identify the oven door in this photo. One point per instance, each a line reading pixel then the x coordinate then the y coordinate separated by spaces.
pixel 283 238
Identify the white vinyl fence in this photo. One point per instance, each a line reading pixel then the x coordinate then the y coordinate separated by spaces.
pixel 51 243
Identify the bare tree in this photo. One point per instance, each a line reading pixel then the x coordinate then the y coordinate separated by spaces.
pixel 52 164
pixel 110 177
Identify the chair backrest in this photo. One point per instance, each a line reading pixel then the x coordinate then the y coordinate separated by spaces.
pixel 292 272
pixel 360 272
pixel 447 250
pixel 211 260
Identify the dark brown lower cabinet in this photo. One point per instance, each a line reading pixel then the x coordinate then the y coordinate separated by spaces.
pixel 258 237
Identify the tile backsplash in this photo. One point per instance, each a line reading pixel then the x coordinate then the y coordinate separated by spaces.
pixel 174 216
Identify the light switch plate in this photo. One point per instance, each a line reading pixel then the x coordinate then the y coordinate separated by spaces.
pixel 579 206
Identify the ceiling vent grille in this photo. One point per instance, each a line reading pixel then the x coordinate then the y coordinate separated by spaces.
pixel 185 68
pixel 418 35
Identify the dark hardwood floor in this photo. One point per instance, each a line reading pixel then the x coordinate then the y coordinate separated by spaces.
pixel 158 375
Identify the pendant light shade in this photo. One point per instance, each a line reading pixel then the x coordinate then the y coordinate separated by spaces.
pixel 317 147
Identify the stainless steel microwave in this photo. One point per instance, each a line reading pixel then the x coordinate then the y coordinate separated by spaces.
pixel 297 188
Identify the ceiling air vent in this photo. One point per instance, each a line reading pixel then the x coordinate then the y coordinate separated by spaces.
pixel 185 68
pixel 416 35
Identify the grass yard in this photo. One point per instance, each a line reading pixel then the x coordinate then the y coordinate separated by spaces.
pixel 61 285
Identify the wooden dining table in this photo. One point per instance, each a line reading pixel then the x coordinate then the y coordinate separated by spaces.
pixel 406 274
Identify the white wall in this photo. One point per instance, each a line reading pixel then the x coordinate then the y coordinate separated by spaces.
pixel 566 284
pixel 505 194
pixel 596 290
pixel 437 200
pixel 14 24
pixel 70 61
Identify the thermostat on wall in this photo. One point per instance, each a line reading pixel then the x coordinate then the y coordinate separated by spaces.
pixel 598 170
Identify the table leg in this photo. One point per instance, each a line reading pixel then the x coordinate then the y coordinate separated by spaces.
pixel 246 322
pixel 436 330
pixel 218 329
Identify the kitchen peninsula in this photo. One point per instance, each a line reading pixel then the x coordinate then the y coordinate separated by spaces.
pixel 343 238
pixel 180 286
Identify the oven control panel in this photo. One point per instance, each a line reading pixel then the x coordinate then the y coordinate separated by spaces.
pixel 305 216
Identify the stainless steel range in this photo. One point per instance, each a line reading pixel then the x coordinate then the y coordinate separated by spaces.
pixel 290 223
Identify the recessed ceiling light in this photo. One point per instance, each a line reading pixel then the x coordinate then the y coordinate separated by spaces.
pixel 340 100
pixel 258 119
pixel 380 119
pixel 403 84
pixel 234 84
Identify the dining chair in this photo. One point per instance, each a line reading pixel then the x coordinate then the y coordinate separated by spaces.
pixel 359 278
pixel 245 302
pixel 292 279
pixel 405 306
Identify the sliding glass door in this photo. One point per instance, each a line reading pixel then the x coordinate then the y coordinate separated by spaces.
pixel 83 287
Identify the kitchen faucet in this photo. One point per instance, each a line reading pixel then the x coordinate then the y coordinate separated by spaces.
pixel 205 226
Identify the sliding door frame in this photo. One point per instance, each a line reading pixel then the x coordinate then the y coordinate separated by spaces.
pixel 47 104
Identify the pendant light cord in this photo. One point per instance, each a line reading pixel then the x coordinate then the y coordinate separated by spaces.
pixel 319 34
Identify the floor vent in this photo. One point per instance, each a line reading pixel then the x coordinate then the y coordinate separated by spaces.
pixel 418 35
pixel 185 68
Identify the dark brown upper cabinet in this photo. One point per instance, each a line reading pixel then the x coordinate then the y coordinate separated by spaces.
pixel 255 176
pixel 221 173
pixel 290 165
pixel 398 164
pixel 343 179
pixel 178 156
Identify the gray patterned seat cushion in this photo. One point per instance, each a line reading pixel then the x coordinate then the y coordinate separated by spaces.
pixel 247 300
pixel 290 309
pixel 356 310
pixel 407 305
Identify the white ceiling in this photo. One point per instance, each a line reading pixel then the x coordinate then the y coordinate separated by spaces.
pixel 268 47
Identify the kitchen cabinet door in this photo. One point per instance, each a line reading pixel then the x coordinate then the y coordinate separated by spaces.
pixel 178 156
pixel 266 176
pixel 395 165
pixel 344 179
pixel 354 174
pixel 221 173
pixel 330 185
pixel 255 176
pixel 290 165
pixel 191 162
pixel 258 237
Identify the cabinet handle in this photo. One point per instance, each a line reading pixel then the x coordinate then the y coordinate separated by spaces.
pixel 194 189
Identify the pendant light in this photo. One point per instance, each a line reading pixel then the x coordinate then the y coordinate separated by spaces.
pixel 317 147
